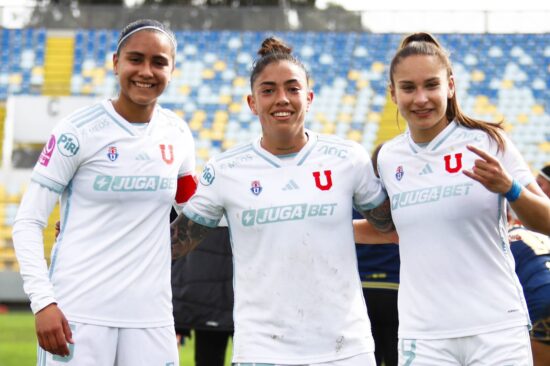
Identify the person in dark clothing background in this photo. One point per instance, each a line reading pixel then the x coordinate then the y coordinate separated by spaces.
pixel 202 296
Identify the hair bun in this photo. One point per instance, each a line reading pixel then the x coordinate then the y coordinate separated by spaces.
pixel 273 45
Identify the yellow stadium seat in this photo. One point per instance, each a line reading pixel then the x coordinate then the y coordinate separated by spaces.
pixel 477 75
pixel 537 109
pixel 220 66
pixel 507 84
pixel 353 75
pixel 239 82
pixel 522 118
pixel 235 108
pixel 208 74
pixel 349 99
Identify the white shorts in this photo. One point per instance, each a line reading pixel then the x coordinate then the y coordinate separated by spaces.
pixel 98 345
pixel 363 359
pixel 507 347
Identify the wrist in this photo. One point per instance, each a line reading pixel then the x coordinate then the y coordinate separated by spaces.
pixel 514 192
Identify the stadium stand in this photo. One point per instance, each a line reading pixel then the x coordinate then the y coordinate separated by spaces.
pixel 501 77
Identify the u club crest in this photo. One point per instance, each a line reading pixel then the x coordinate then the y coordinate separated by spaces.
pixel 256 187
pixel 112 153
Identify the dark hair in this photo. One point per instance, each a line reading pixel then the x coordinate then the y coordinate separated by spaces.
pixel 546 171
pixel 374 158
pixel 273 50
pixel 426 44
pixel 149 25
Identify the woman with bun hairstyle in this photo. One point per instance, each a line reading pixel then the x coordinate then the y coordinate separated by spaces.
pixel 448 179
pixel 288 198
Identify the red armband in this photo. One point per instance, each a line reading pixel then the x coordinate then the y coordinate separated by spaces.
pixel 187 185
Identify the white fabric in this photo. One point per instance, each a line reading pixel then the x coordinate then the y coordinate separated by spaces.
pixel 111 262
pixel 298 296
pixel 98 345
pixel 503 347
pixel 457 271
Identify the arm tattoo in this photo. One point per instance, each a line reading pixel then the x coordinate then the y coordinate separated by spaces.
pixel 380 217
pixel 186 235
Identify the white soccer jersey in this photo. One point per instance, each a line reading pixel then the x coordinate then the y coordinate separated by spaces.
pixel 298 297
pixel 457 272
pixel 111 262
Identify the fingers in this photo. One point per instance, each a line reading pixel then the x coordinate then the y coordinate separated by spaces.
pixel 481 153
pixel 53 331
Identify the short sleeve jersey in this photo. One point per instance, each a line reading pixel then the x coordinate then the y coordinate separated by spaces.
pixel 457 271
pixel 111 262
pixel 298 297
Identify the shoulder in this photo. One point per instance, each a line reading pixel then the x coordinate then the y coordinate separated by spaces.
pixel 337 146
pixel 84 117
pixel 237 152
pixel 394 144
pixel 172 119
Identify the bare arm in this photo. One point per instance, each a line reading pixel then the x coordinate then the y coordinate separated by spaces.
pixel 532 206
pixel 380 217
pixel 186 235
pixel 365 233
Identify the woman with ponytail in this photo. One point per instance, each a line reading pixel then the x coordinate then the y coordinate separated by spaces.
pixel 449 178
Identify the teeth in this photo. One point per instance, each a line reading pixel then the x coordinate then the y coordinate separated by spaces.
pixel 281 114
pixel 143 85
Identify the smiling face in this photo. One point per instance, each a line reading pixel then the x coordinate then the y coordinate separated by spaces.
pixel 421 89
pixel 144 66
pixel 280 98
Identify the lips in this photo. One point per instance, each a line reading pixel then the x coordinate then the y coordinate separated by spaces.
pixel 140 84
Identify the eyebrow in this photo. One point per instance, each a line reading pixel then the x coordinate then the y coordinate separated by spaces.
pixel 272 83
pixel 137 53
pixel 425 81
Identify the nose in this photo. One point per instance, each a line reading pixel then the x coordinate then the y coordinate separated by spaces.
pixel 146 69
pixel 420 97
pixel 281 97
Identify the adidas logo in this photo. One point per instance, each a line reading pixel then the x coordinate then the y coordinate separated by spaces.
pixel 290 186
pixel 426 170
pixel 143 156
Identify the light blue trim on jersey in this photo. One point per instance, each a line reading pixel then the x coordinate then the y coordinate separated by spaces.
pixel 64 220
pixel 76 117
pixel 333 140
pixel 201 220
pixel 233 152
pixel 445 136
pixel 47 183
pixel 506 251
pixel 266 158
pixel 377 202
pixel 117 122
pixel 89 117
pixel 310 149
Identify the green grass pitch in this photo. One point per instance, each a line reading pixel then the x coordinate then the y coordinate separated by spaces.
pixel 18 342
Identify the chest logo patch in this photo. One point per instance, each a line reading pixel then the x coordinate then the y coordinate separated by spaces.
pixel 399 172
pixel 457 164
pixel 256 187
pixel 112 153
pixel 328 180
pixel 168 159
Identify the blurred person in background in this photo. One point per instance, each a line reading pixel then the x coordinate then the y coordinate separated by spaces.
pixel 543 179
pixel 202 294
pixel 379 271
pixel 531 253
pixel 119 166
